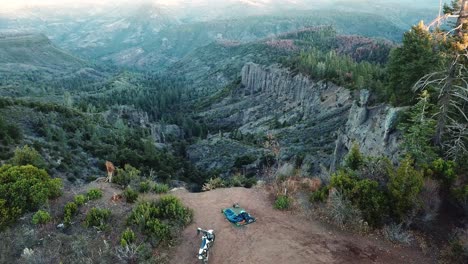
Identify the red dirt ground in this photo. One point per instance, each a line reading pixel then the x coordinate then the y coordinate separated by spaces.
pixel 276 237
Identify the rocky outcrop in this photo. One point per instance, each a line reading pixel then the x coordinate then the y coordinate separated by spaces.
pixel 161 133
pixel 314 118
pixel 372 128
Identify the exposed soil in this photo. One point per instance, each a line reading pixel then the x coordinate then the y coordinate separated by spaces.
pixel 276 237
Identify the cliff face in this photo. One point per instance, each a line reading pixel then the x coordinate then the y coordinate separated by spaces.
pixel 372 128
pixel 316 119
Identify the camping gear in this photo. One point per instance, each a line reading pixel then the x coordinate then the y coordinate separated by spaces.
pixel 207 242
pixel 238 216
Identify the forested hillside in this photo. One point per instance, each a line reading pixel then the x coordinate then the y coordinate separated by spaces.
pixel 352 113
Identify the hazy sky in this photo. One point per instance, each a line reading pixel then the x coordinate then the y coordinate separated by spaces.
pixel 22 3
pixel 13 4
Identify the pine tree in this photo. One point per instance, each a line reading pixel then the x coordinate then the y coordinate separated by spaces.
pixel 413 60
pixel 419 131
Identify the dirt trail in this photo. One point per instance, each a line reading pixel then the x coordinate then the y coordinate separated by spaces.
pixel 276 237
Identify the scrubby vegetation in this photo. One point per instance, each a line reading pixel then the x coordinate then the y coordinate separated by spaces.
pixel 94 194
pixel 160 188
pixel 24 189
pixel 282 202
pixel 130 195
pixel 41 217
pixel 97 218
pixel 160 220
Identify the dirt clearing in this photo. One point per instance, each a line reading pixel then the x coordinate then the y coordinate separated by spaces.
pixel 276 237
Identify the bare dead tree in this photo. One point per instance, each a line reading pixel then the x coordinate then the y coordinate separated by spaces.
pixel 452 86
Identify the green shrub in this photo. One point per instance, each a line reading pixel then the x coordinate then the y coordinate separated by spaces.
pixel 41 217
pixel 158 218
pixel 371 201
pixel 130 195
pixel 144 186
pixel 404 187
pixel 344 182
pixel 127 237
pixel 94 194
pixel 354 159
pixel 161 188
pixel 364 194
pixel 213 183
pixel 170 207
pixel 97 218
pixel 23 189
pixel 69 211
pixel 125 176
pixel 28 156
pixel 444 171
pixel 320 195
pixel 282 202
pixel 80 199
pixel 244 160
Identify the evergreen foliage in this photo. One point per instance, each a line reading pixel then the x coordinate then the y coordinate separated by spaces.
pixel 94 194
pixel 23 189
pixel 404 186
pixel 410 62
pixel 41 217
pixel 160 219
pixel 97 218
pixel 28 156
pixel 354 159
pixel 418 131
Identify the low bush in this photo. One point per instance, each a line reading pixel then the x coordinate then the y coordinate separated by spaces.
pixel 286 170
pixel 130 195
pixel 69 211
pixel 144 186
pixel 41 217
pixel 94 194
pixel 342 212
pixel 457 249
pixel 354 160
pixel 128 237
pixel 320 195
pixel 213 183
pixel 161 188
pixel 282 202
pixel 28 156
pixel 396 234
pixel 80 199
pixel 126 175
pixel 97 218
pixel 159 219
pixel 23 189
pixel 239 180
pixel 404 187
pixel 443 171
